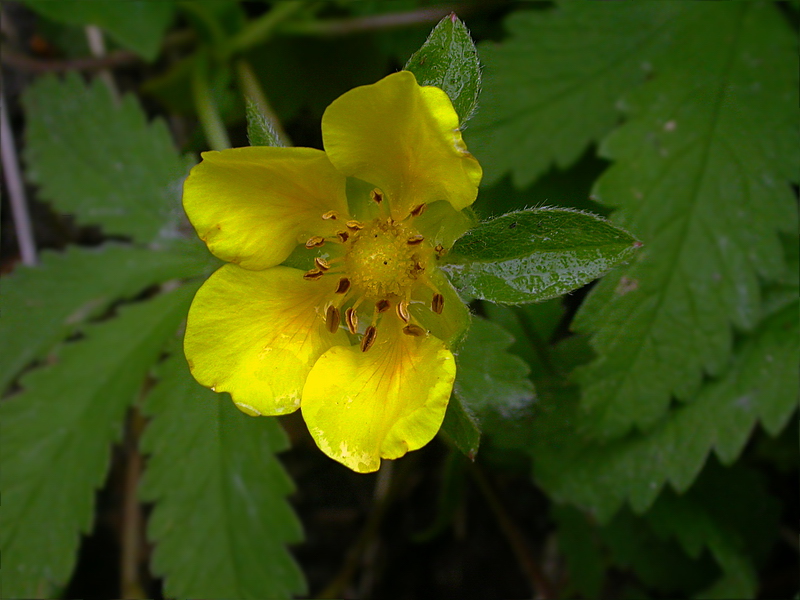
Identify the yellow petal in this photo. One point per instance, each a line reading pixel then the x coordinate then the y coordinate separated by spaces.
pixel 364 406
pixel 253 205
pixel 256 334
pixel 404 139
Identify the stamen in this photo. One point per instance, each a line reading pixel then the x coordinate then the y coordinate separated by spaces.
pixel 437 304
pixel 376 195
pixel 419 267
pixel 382 306
pixel 315 242
pixel 351 318
pixel 343 236
pixel 344 285
pixel 440 251
pixel 354 225
pixel 313 275
pixel 418 210
pixel 369 338
pixel 414 330
pixel 415 240
pixel 332 318
pixel 402 311
pixel 322 264
pixel 331 215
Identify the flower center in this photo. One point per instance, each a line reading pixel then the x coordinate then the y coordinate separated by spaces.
pixel 385 259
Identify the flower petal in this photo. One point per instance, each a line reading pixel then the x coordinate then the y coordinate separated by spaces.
pixel 256 334
pixel 403 138
pixel 364 406
pixel 253 205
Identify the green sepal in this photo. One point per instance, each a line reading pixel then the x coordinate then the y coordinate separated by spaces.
pixel 260 130
pixel 462 428
pixel 533 255
pixel 448 60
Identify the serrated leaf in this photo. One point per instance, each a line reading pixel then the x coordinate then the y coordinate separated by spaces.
pixel 221 520
pixel 57 436
pixel 260 130
pixel 448 60
pixel 462 428
pixel 44 304
pixel 553 84
pixel 103 163
pixel 701 177
pixel 136 24
pixel 760 384
pixel 534 255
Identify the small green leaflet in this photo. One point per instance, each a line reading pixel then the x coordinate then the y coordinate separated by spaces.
pixel 43 305
pixel 533 255
pixel 448 60
pixel 260 130
pixel 553 84
pixel 221 520
pixel 57 435
pixel 702 177
pixel 103 163
pixel 760 384
pixel 135 24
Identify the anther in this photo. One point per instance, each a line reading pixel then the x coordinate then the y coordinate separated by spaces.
pixel 402 311
pixel 332 318
pixel 315 242
pixel 354 225
pixel 376 195
pixel 415 240
pixel 418 210
pixel 382 306
pixel 369 338
pixel 344 285
pixel 414 330
pixel 343 236
pixel 418 267
pixel 313 274
pixel 321 263
pixel 440 251
pixel 351 318
pixel 331 215
pixel 437 304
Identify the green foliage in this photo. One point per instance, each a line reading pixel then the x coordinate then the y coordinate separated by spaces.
pixel 136 24
pixel 533 255
pixel 103 162
pixel 221 520
pixel 461 427
pixel 760 384
pixel 448 60
pixel 57 434
pixel 700 176
pixel 554 82
pixel 260 130
pixel 43 305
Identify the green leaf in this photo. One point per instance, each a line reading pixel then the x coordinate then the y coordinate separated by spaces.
pixel 57 435
pixel 260 130
pixel 136 24
pixel 462 427
pixel 43 305
pixel 553 84
pixel 533 255
pixel 760 384
pixel 493 384
pixel 448 60
pixel 101 162
pixel 702 176
pixel 221 520
pixel 579 543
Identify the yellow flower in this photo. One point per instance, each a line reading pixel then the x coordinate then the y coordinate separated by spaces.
pixel 359 339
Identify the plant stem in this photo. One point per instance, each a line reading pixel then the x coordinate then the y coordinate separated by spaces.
pixel 334 27
pixel 261 29
pixel 16 190
pixel 207 111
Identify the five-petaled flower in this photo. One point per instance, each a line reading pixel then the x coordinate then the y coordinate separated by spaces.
pixel 360 337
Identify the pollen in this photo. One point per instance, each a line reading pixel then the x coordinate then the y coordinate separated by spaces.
pixel 383 261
